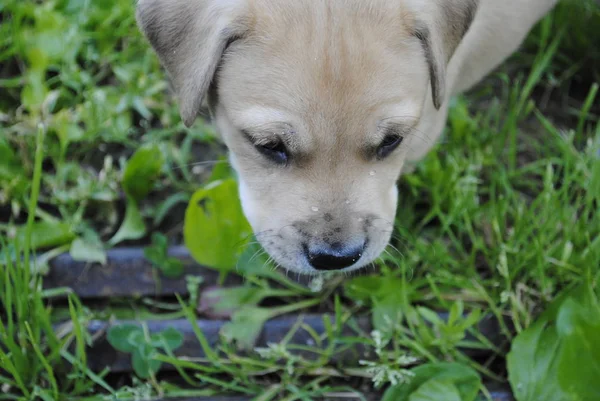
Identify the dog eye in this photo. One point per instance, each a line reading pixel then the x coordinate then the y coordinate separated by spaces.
pixel 274 151
pixel 388 145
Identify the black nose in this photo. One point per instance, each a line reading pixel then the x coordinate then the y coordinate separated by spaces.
pixel 329 259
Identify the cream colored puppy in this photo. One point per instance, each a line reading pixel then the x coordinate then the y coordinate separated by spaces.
pixel 323 102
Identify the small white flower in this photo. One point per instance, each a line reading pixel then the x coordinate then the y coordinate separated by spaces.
pixel 405 360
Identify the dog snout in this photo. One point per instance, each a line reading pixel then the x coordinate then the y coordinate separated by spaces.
pixel 333 258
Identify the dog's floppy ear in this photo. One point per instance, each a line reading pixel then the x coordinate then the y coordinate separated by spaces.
pixel 189 37
pixel 440 27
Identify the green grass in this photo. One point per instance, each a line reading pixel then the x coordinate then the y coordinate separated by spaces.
pixel 501 218
pixel 33 355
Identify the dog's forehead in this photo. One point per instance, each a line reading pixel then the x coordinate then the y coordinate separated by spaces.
pixel 325 62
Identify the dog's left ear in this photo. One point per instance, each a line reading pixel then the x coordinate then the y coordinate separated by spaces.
pixel 190 37
pixel 440 26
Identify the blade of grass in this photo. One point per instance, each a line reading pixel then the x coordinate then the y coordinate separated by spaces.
pixel 35 193
pixel 585 109
pixel 43 361
pixel 93 376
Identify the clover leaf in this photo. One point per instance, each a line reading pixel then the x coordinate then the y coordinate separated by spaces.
pixel 130 338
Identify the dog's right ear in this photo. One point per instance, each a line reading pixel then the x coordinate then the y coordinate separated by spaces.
pixel 189 37
pixel 440 26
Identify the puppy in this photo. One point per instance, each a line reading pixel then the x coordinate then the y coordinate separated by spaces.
pixel 323 103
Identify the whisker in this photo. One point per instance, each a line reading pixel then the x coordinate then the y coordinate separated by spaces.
pixel 403 116
pixel 424 136
pixel 397 250
pixel 257 254
pixel 200 163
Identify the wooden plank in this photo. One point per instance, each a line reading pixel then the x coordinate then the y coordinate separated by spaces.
pixel 497 395
pixel 102 355
pixel 127 273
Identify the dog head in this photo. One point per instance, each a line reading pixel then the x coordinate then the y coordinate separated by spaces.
pixel 317 102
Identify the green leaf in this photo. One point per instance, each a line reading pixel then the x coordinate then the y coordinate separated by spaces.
pixel 382 293
pixel 215 227
pixel 430 316
pixel 531 361
pixel 10 166
pixel 578 325
pixel 163 209
pixel 223 302
pixel 387 311
pixel 157 252
pixel 254 262
pixel 221 171
pixel 157 255
pixel 465 380
pixel 142 361
pixel 456 312
pixel 171 268
pixel 35 91
pixel 125 337
pixel 436 390
pixel 170 338
pixel 246 325
pixel 130 338
pixel 47 234
pixel 88 249
pixel 133 226
pixel 363 288
pixel 141 171
pixel 558 357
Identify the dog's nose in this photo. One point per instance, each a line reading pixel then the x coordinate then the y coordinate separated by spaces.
pixel 329 259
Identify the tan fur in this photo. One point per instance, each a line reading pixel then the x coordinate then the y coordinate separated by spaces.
pixel 328 76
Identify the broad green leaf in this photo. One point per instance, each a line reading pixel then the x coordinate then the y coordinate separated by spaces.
pixel 172 268
pixel 125 337
pixel 47 234
pixel 363 288
pixel 141 171
pixel 387 311
pixel 215 228
pixel 558 357
pixel 157 252
pixel 154 255
pixel 384 296
pixel 171 338
pixel 578 325
pixel 221 171
pixel 87 250
pixel 532 362
pixel 133 226
pixel 246 325
pixel 464 379
pixel 223 302
pixel 436 390
pixel 142 361
pixel 157 255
